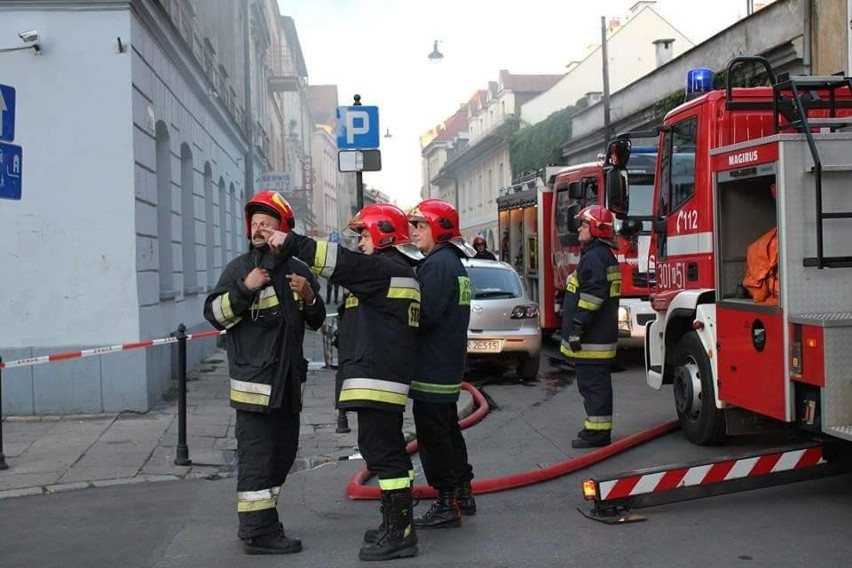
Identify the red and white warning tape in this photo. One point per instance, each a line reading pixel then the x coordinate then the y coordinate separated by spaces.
pixel 104 350
pixel 711 473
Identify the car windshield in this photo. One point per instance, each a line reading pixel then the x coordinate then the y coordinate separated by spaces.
pixel 494 283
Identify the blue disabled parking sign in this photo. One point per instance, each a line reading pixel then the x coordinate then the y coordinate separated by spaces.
pixel 11 171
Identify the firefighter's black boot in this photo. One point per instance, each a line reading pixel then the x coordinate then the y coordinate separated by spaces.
pixel 371 534
pixel 397 539
pixel 443 514
pixel 464 496
pixel 273 543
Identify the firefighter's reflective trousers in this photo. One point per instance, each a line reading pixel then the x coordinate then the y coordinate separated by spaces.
pixel 595 384
pixel 266 450
pixel 382 444
pixel 443 451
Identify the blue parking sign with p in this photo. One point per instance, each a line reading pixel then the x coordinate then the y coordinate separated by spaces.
pixel 357 127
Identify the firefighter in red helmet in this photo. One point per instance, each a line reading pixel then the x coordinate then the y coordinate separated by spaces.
pixel 377 343
pixel 439 369
pixel 265 301
pixel 481 247
pixel 590 322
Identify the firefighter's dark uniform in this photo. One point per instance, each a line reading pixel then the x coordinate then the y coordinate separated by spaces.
pixel 377 341
pixel 267 368
pixel 485 255
pixel 441 350
pixel 590 310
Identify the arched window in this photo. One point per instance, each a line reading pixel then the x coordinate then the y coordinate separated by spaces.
pixel 209 226
pixel 187 210
pixel 164 210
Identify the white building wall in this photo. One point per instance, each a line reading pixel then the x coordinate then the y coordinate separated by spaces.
pixel 81 248
pixel 631 56
pixel 478 197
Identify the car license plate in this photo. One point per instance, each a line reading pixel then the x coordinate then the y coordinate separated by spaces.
pixel 484 345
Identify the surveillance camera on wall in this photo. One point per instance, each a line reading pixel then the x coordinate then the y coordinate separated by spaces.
pixel 30 36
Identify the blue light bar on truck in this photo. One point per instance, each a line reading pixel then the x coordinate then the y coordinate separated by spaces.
pixel 698 82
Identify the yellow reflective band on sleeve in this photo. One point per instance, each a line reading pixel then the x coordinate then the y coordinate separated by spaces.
pixel 223 312
pixel 374 390
pixel 573 283
pixel 435 388
pixel 325 258
pixel 465 293
pixel 250 393
pixel 404 288
pixel 589 302
pixel 250 501
pixel 589 350
pixel 394 484
pixel 613 275
pixel 598 423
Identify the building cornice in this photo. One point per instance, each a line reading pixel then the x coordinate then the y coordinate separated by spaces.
pixel 41 5
pixel 471 154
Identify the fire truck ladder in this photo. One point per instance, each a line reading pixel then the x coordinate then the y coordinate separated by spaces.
pixel 615 496
pixel 795 97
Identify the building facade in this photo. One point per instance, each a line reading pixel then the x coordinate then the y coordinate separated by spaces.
pixel 144 124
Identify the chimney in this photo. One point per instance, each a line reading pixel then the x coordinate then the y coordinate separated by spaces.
pixel 664 50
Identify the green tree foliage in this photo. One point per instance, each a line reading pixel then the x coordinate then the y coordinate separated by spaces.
pixel 534 147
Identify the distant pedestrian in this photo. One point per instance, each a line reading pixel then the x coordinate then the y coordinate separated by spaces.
pixel 590 323
pixel 376 357
pixel 441 350
pixel 328 292
pixel 265 301
pixel 481 248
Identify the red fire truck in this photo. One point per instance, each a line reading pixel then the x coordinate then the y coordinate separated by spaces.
pixel 751 248
pixel 734 166
pixel 546 205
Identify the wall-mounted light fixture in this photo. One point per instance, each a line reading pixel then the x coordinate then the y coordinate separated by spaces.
pixel 435 55
pixel 31 38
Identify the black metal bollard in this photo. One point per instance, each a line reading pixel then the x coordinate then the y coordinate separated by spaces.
pixel 3 464
pixel 182 457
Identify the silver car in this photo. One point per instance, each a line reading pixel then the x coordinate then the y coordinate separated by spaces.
pixel 504 322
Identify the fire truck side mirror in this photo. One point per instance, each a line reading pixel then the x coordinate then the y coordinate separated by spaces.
pixel 617 153
pixel 617 192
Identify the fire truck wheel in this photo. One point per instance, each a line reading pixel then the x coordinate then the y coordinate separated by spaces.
pixel 701 421
pixel 527 368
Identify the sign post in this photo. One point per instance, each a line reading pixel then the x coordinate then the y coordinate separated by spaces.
pixel 358 129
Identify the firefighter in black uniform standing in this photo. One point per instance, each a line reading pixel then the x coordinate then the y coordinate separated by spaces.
pixel 376 358
pixel 441 351
pixel 264 301
pixel 481 248
pixel 590 323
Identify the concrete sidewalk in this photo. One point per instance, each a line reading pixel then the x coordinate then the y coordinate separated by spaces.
pixel 53 454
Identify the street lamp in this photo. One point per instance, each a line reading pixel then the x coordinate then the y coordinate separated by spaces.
pixel 435 55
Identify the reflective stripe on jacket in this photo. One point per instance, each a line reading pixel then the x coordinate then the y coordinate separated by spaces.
pixel 591 304
pixel 378 327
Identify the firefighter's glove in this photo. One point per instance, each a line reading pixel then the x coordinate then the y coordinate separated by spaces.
pixel 574 339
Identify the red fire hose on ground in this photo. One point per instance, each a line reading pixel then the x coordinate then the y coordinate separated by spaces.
pixel 357 490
